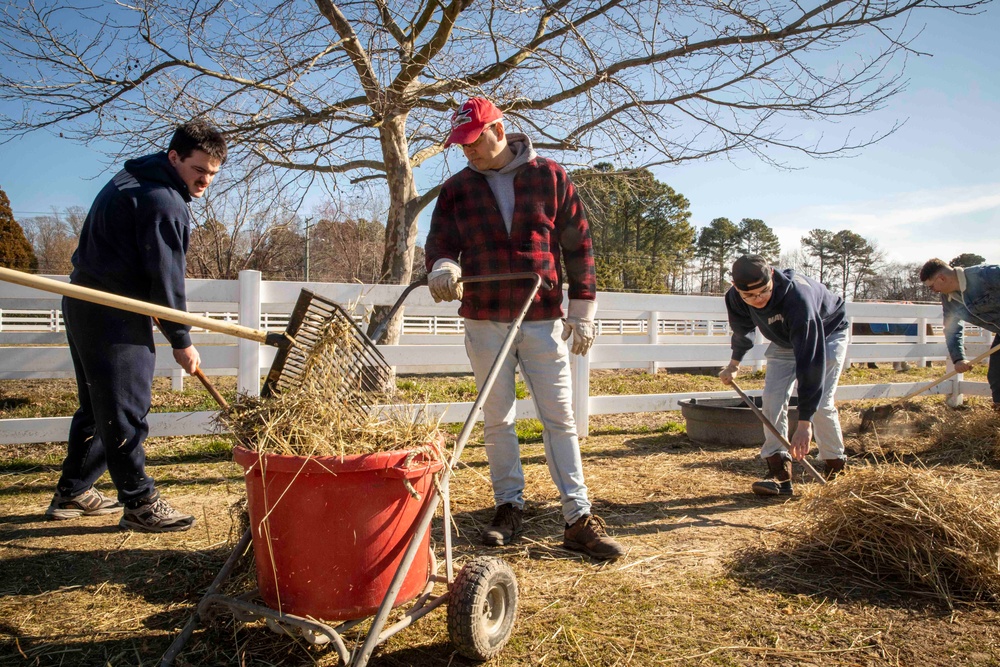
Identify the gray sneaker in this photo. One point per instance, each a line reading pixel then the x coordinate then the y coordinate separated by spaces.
pixel 155 515
pixel 89 503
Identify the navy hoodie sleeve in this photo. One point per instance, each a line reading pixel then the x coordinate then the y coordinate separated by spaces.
pixel 741 323
pixel 162 233
pixel 809 345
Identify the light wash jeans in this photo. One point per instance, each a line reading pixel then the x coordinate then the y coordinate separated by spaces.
pixel 544 361
pixel 778 382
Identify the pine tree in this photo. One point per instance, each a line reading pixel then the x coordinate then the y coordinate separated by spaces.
pixel 15 251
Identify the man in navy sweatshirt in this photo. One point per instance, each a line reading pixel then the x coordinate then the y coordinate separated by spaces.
pixel 808 329
pixel 133 243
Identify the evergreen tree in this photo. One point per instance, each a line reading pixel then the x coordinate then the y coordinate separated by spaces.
pixel 718 244
pixel 968 259
pixel 756 238
pixel 15 251
pixel 819 245
pixel 639 226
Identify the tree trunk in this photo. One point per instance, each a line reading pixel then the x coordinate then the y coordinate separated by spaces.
pixel 401 225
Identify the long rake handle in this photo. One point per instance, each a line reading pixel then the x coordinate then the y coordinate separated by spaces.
pixel 132 305
pixel 200 374
pixel 947 376
pixel 767 423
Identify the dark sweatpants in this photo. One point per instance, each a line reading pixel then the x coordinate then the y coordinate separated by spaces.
pixel 993 371
pixel 114 359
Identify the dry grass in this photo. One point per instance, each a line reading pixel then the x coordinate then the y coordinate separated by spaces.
pixel 929 431
pixel 895 528
pixel 84 593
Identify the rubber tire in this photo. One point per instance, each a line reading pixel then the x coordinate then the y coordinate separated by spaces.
pixel 482 608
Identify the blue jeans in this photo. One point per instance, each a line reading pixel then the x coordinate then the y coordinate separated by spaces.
pixel 544 362
pixel 779 379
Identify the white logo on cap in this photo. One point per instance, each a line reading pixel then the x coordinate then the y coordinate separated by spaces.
pixel 461 117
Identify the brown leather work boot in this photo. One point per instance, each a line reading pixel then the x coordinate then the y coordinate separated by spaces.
pixel 833 467
pixel 506 525
pixel 778 481
pixel 589 536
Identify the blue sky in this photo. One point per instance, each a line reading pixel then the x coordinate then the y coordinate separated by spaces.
pixel 931 189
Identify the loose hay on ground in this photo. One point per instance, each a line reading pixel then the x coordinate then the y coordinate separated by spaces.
pixel 937 434
pixel 900 530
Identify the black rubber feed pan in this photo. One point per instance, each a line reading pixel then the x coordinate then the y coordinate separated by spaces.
pixel 728 421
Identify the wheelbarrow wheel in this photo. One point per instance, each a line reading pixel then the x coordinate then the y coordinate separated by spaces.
pixel 482 608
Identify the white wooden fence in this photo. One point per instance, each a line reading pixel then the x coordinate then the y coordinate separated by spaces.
pixel 650 331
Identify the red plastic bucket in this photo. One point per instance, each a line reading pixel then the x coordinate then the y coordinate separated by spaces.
pixel 329 532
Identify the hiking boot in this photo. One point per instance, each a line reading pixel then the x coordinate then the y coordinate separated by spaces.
pixel 506 525
pixel 778 481
pixel 155 515
pixel 89 503
pixel 588 535
pixel 833 468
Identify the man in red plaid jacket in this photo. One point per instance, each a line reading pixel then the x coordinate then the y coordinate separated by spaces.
pixel 510 211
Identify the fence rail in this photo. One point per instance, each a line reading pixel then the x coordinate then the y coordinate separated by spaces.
pixel 634 331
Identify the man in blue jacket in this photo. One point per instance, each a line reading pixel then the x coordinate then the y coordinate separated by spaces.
pixel 970 294
pixel 808 329
pixel 133 243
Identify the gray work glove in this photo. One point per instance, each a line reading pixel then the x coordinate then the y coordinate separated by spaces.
pixel 443 281
pixel 579 324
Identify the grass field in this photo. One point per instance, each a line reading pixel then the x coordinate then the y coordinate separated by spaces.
pixel 691 590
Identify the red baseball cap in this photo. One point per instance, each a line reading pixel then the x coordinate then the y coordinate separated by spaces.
pixel 469 121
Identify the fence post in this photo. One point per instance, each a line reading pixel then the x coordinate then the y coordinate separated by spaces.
pixel 758 339
pixel 850 342
pixel 177 379
pixel 579 368
pixel 653 331
pixel 922 337
pixel 248 372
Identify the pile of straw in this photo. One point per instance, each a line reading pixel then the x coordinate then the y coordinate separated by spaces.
pixel 937 435
pixel 905 530
pixel 317 417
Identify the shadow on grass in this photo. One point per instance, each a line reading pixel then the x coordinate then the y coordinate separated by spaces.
pixel 794 572
pixel 164 482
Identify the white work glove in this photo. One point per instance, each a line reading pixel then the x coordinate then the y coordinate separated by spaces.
pixel 579 324
pixel 443 281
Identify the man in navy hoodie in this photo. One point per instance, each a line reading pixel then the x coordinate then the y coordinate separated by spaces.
pixel 808 329
pixel 133 243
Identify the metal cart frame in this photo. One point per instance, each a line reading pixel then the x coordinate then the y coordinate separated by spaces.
pixel 487 584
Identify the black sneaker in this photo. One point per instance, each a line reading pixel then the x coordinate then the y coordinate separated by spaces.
pixel 506 525
pixel 89 503
pixel 155 515
pixel 590 536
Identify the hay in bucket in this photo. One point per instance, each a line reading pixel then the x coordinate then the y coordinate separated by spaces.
pixel 313 419
pixel 922 532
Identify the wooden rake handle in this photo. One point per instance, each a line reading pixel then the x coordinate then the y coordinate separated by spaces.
pixel 134 306
pixel 782 439
pixel 205 382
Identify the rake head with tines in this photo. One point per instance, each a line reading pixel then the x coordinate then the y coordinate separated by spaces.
pixel 325 336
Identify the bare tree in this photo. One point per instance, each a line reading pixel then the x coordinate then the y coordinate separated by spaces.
pixel 242 227
pixel 54 238
pixel 363 90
